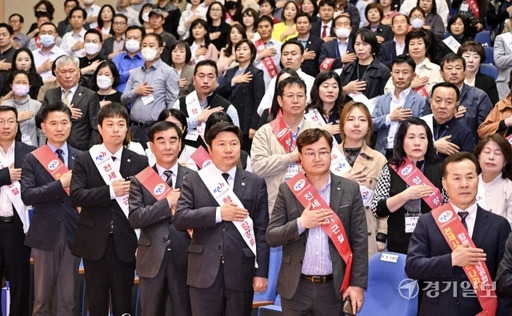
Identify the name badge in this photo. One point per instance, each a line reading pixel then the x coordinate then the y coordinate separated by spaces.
pixel 410 222
pixel 192 135
pixel 391 141
pixel 147 99
pixel 292 171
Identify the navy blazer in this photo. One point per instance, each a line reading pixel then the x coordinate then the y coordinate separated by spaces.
pixel 331 50
pixel 314 44
pixel 387 52
pixel 52 206
pixel 316 29
pixel 89 191
pixel 197 210
pixel 429 259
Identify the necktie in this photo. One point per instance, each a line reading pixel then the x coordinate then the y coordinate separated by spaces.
pixel 225 176
pixel 463 216
pixel 59 153
pixel 324 31
pixel 65 96
pixel 168 174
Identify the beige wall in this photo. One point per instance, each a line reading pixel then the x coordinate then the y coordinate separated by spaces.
pixel 25 8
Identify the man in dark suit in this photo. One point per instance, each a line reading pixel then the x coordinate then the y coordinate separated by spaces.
pixel 53 226
pixel 228 255
pixel 395 47
pixel 431 259
pixel 83 103
pixel 14 223
pixel 312 44
pixel 114 45
pixel 324 27
pixel 104 238
pixel 312 269
pixel 340 49
pixel 162 253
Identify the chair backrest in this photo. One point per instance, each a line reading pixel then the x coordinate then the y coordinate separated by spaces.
pixel 489 55
pixel 387 282
pixel 490 70
pixel 483 37
pixel 276 255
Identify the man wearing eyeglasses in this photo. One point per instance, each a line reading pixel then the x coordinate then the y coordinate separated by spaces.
pixel 14 221
pixel 274 154
pixel 82 102
pixel 316 275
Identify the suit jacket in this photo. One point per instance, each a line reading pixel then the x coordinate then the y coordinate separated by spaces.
pixel 84 131
pixel 382 30
pixel 154 219
pixel 282 230
pixel 52 206
pixel 413 101
pixel 245 97
pixel 387 52
pixel 107 48
pixel 89 191
pixel 487 84
pixel 331 50
pixel 429 259
pixel 316 29
pixel 197 210
pixel 20 151
pixel 314 44
pixel 503 60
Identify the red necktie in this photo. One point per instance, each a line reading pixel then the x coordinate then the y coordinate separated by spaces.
pixel 324 31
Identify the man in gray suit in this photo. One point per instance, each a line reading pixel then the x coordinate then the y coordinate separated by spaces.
pixel 83 103
pixel 225 265
pixel 162 252
pixel 396 106
pixel 313 268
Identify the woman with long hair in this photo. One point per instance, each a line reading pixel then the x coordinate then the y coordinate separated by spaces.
pixel 433 20
pixel 200 44
pixel 227 57
pixel 286 29
pixel 180 58
pixel 249 17
pixel 24 60
pixel 217 26
pixel 105 19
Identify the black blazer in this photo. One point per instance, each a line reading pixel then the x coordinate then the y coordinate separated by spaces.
pixel 387 53
pixel 331 50
pixel 197 210
pixel 314 44
pixel 316 29
pixel 384 31
pixel 52 206
pixel 89 191
pixel 488 85
pixel 107 48
pixel 84 131
pixel 245 97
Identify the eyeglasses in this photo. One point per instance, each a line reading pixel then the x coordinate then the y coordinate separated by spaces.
pixel 8 122
pixel 312 154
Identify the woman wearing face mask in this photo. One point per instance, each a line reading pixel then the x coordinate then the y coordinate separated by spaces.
pixel 200 44
pixel 433 21
pixel 23 60
pixel 180 57
pixel 105 18
pixel 144 17
pixel 27 107
pixel 104 80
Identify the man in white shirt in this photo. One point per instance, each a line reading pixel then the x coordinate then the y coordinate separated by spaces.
pixel 44 56
pixel 73 41
pixel 92 11
pixel 129 12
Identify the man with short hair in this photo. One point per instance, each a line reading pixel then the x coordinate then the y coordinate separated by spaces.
pixel 459 244
pixel 64 26
pixel 114 45
pixel 156 21
pixel 334 55
pixel 130 59
pixel 19 39
pixel 124 7
pixel 395 47
pixel 73 41
pixel 228 255
pixel 310 42
pixel 394 107
pixel 161 261
pixel 199 104
pixel 35 42
pixel 104 238
pixel 292 56
pixel 324 27
pixel 315 278
pixel 52 229
pixel 83 103
pixel 268 49
pixel 91 60
pixel 49 51
pixel 150 89
pixel 474 104
pixel 6 51
pixel 14 220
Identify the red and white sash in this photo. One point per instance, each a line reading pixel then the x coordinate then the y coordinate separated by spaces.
pixel 13 192
pixel 413 176
pixel 475 8
pixel 193 109
pixel 155 185
pixel 456 235
pixel 304 191
pixel 326 64
pixel 268 62
pixel 222 193
pixel 201 157
pixel 283 133
pixel 50 162
pixel 421 90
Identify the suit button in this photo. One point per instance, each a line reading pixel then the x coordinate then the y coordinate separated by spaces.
pixel 369 233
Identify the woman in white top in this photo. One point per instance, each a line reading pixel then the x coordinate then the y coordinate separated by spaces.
pixel 195 9
pixel 494 186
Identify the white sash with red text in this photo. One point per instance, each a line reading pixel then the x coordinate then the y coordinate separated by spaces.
pixel 302 189
pixel 413 176
pixel 50 162
pixel 13 192
pixel 268 62
pixel 193 109
pixel 222 193
pixel 456 235
pixel 316 118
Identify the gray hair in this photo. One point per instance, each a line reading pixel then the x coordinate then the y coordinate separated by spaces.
pixel 67 59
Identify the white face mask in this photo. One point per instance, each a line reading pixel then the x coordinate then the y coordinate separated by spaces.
pixel 343 32
pixel 417 23
pixel 132 45
pixel 91 48
pixel 145 17
pixel 103 82
pixel 20 90
pixel 47 40
pixel 149 54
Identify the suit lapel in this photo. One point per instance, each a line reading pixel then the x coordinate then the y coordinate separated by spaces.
pixel 335 201
pixel 239 184
pixel 126 162
pixel 71 159
pixel 182 172
pixel 18 154
pixel 482 226
pixel 77 97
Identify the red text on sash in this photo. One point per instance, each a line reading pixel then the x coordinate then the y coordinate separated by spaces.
pixel 50 162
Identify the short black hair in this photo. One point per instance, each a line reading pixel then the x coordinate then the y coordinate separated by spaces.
pixel 330 3
pixel 458 157
pixel 301 14
pixel 114 109
pixel 445 85
pixel 418 33
pixel 311 136
pixel 5 108
pixel 207 62
pixel 94 31
pixel 22 20
pixel 293 42
pixel 136 27
pixel 57 106
pixel 398 149
pixel 215 118
pixel 78 8
pixel 48 23
pixel 369 37
pixel 8 27
pixel 156 36
pixel 113 69
pixel 252 48
pixel 16 72
pixel 264 18
pixel 162 126
pixel 289 82
pixel 184 44
pixel 451 57
pixel 220 127
pixel 404 59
